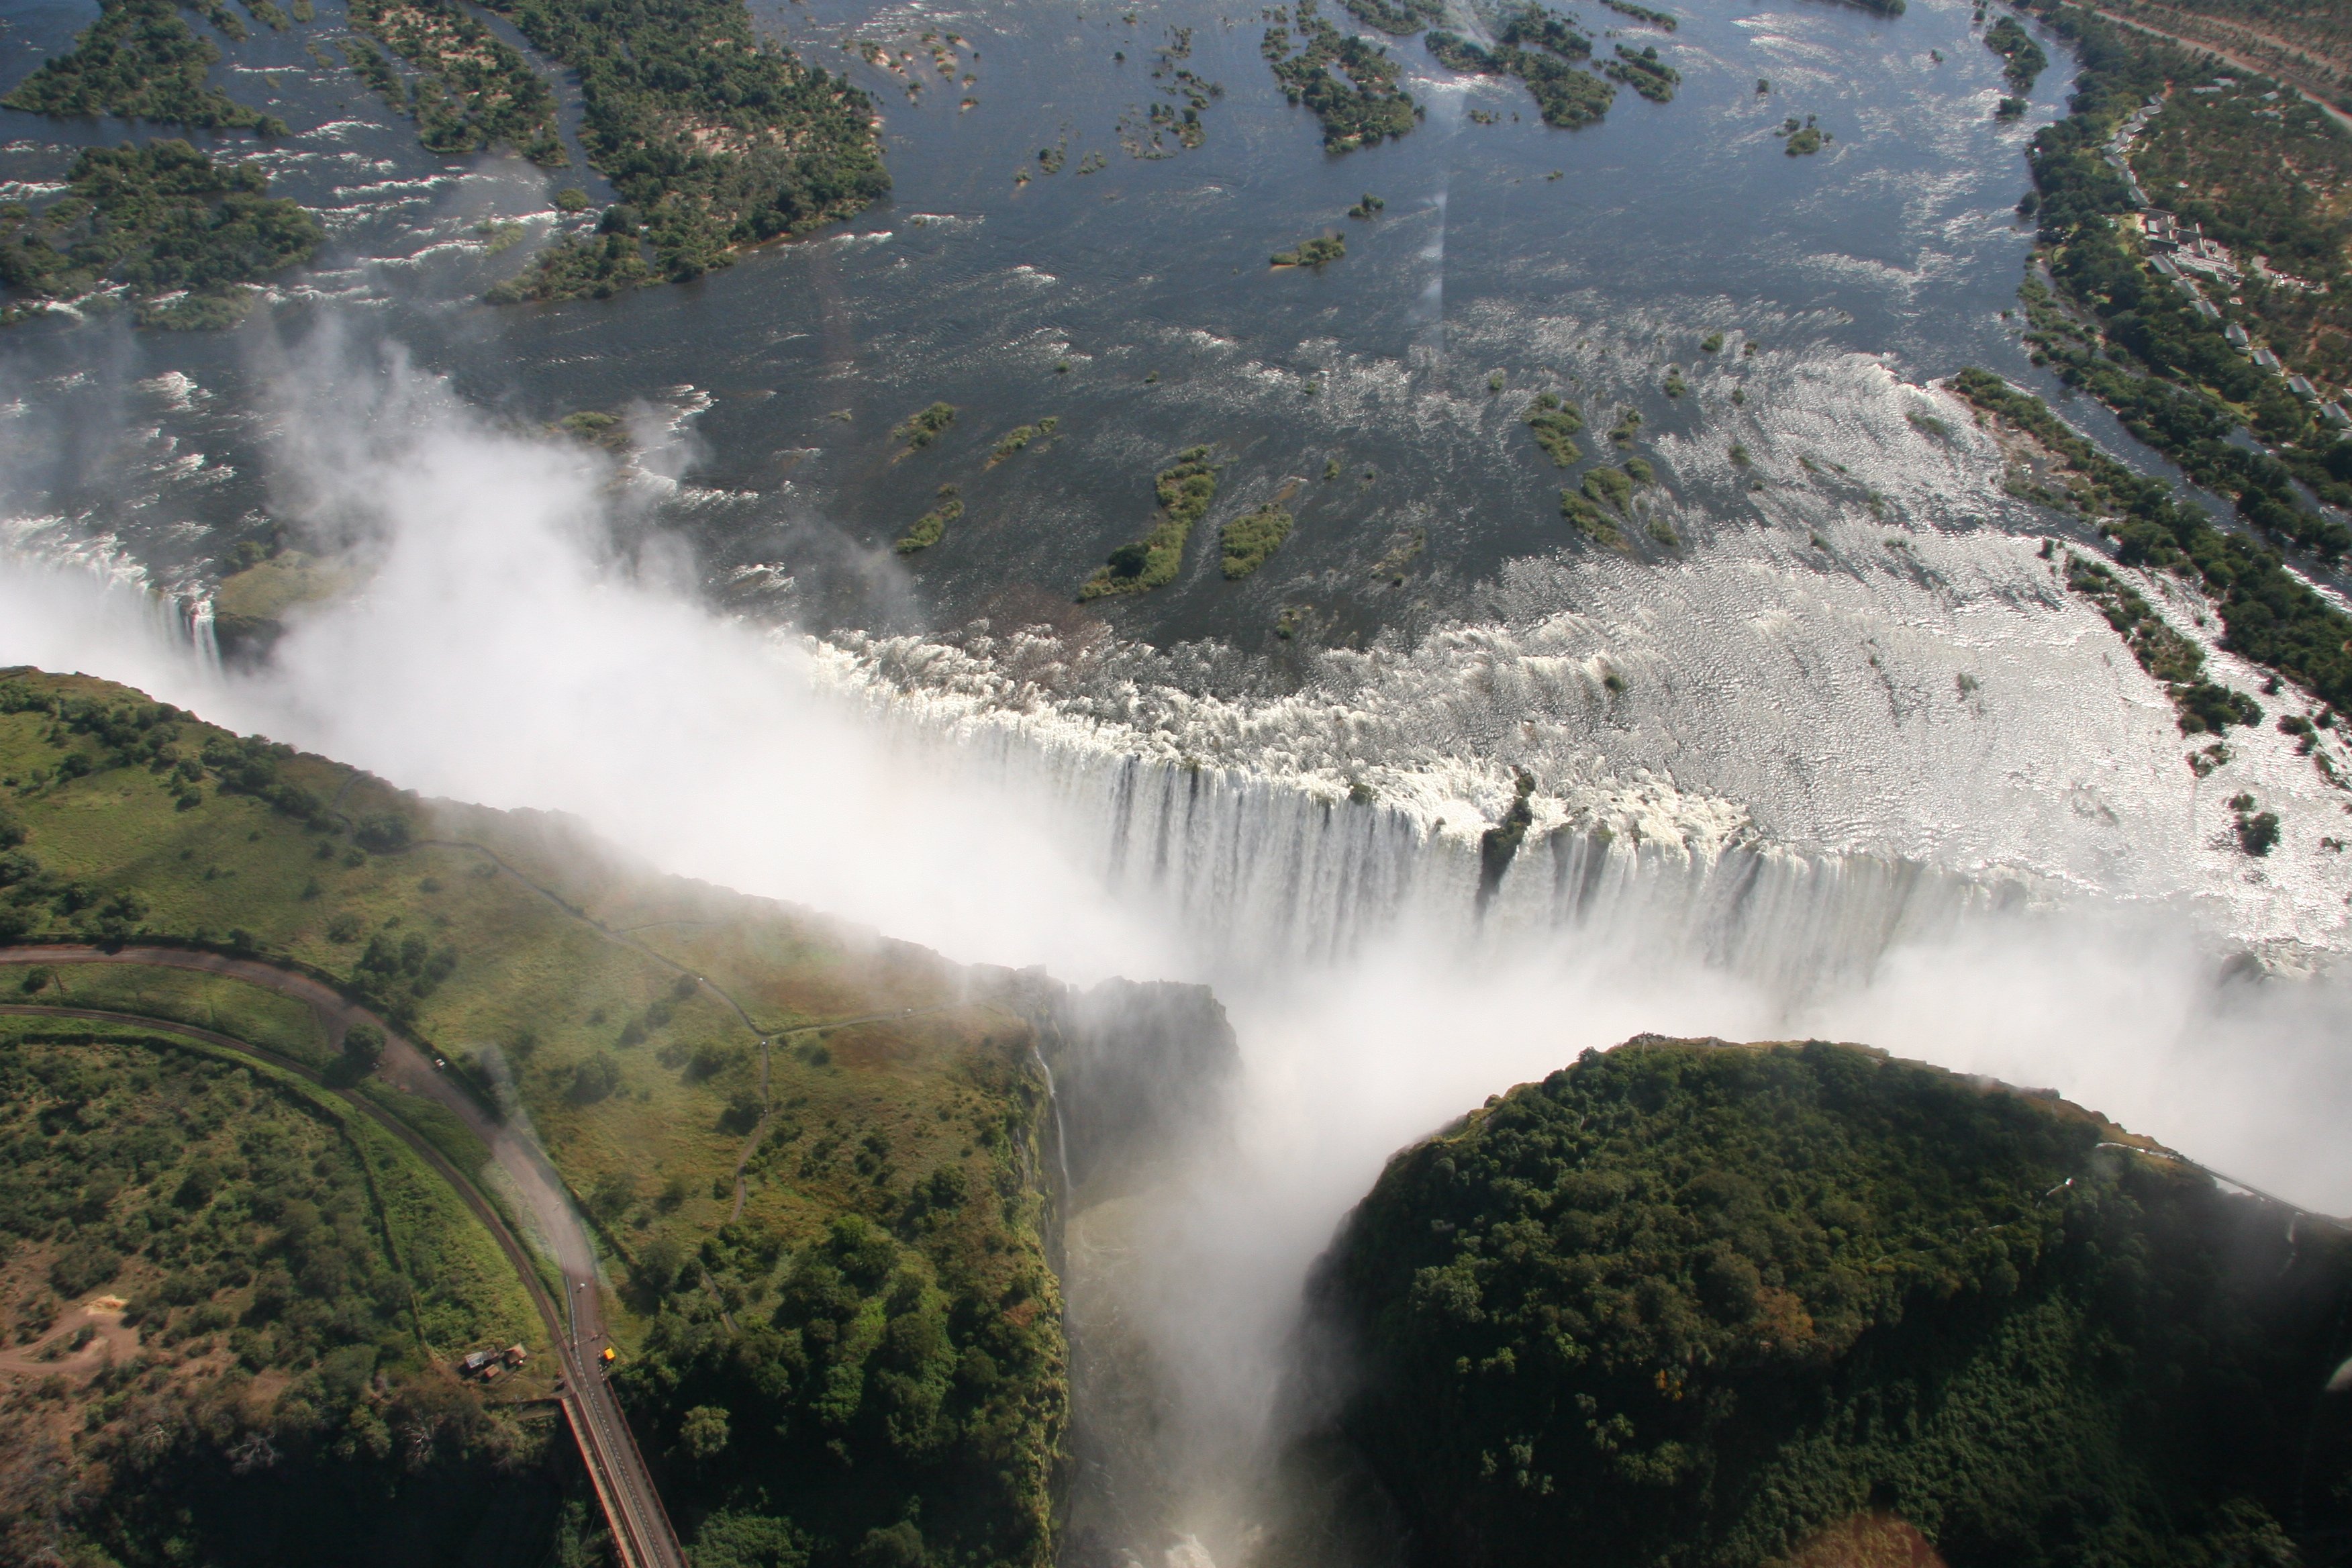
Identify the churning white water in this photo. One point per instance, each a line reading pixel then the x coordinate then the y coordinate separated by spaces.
pixel 1821 775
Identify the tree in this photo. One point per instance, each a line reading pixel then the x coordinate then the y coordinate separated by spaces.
pixel 362 1047
pixel 703 1433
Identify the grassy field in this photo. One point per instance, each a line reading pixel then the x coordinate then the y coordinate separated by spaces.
pixel 600 1000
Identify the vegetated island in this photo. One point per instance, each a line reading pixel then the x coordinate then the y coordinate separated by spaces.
pixel 1397 20
pixel 1554 422
pixel 1660 19
pixel 1542 50
pixel 180 233
pixel 1803 137
pixel 923 426
pixel 1185 488
pixel 930 527
pixel 1019 437
pixel 1358 108
pixel 1316 252
pixel 840 1338
pixel 715 139
pixel 2015 45
pixel 1692 1302
pixel 475 90
pixel 140 61
pixel 1644 72
pixel 1247 541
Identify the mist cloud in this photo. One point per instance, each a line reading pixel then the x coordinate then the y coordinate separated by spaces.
pixel 518 643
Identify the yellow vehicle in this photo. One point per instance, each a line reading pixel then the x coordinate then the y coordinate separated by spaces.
pixel 609 1358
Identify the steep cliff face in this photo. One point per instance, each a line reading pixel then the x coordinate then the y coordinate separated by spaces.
pixel 1138 1068
pixel 1690 1303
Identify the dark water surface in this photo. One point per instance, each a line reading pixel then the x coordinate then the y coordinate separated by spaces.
pixel 1666 222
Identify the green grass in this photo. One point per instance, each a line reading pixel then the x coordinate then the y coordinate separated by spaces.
pixel 1250 539
pixel 140 61
pixel 1018 438
pixel 512 945
pixel 225 1005
pixel 1319 251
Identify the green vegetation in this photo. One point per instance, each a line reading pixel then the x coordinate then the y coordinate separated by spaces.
pixel 2269 616
pixel 142 61
pixel 281 1279
pixel 2204 706
pixel 1316 252
pixel 930 527
pixel 2137 341
pixel 1555 423
pixel 2015 45
pixel 715 139
pixel 1591 521
pixel 1608 487
pixel 1628 426
pixel 1687 1303
pixel 1642 13
pixel 1185 488
pixel 475 91
pixel 1711 343
pixel 1499 845
pixel 1358 108
pixel 1019 436
pixel 1541 50
pixel 155 220
pixel 1675 386
pixel 1803 139
pixel 1397 20
pixel 1366 208
pixel 2258 831
pixel 578 268
pixel 876 1287
pixel 924 427
pixel 1248 540
pixel 1644 73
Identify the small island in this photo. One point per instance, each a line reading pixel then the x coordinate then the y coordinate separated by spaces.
pixel 1803 137
pixel 1317 252
pixel 2025 58
pixel 140 61
pixel 1554 422
pixel 924 427
pixel 1541 48
pixel 1185 488
pixel 930 527
pixel 1367 207
pixel 1644 73
pixel 1019 436
pixel 1248 540
pixel 1359 108
pixel 1591 521
pixel 1658 19
pixel 177 231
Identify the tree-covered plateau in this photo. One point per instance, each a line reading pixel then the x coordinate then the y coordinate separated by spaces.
pixel 1688 1303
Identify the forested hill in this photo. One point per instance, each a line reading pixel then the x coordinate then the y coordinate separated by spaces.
pixel 1693 1303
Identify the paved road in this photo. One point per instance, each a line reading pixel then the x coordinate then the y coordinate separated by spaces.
pixel 633 1507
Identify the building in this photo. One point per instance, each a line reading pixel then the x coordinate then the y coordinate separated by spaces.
pixel 2333 412
pixel 2237 336
pixel 2301 386
pixel 2267 360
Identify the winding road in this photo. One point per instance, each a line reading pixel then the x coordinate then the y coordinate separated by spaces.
pixel 632 1508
